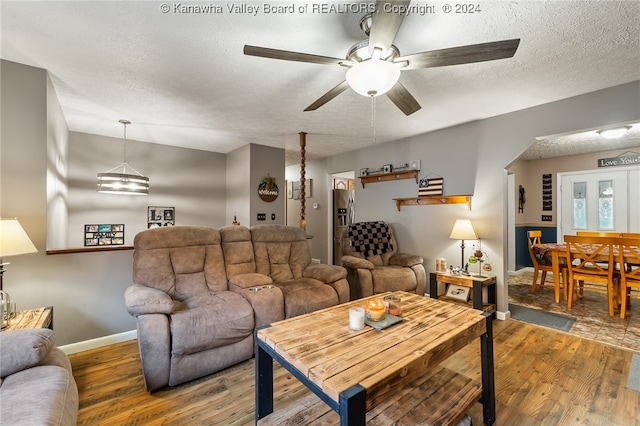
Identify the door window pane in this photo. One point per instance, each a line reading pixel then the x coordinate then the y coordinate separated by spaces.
pixel 605 205
pixel 579 205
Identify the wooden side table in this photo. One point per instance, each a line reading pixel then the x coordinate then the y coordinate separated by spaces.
pixel 474 282
pixel 32 318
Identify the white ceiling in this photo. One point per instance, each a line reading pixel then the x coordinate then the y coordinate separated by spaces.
pixel 182 79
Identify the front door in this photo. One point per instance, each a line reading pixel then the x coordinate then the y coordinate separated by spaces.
pixel 593 201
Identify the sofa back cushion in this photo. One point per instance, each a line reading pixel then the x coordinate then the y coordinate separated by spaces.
pixel 183 261
pixel 238 250
pixel 281 251
pixel 373 241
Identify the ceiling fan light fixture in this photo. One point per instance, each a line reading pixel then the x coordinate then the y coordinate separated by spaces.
pixel 373 77
pixel 614 132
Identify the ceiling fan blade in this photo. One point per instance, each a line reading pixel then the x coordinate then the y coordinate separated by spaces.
pixel 461 55
pixel 401 97
pixel 287 55
pixel 328 96
pixel 386 21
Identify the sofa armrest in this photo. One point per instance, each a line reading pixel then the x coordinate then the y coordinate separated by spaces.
pixel 404 259
pixel 22 349
pixel 141 300
pixel 325 273
pixel 356 263
pixel 266 298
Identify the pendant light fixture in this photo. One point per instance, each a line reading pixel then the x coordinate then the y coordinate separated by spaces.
pixel 123 182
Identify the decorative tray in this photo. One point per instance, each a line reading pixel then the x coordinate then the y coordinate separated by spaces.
pixel 385 322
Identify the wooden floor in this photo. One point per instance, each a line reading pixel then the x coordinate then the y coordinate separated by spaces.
pixel 543 377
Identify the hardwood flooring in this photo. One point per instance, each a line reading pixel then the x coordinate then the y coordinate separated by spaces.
pixel 542 377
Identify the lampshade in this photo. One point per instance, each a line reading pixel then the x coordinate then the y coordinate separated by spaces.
pixel 126 183
pixel 123 183
pixel 614 132
pixel 463 230
pixel 13 239
pixel 373 77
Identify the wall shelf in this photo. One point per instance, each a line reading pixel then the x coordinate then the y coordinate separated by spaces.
pixel 383 177
pixel 434 199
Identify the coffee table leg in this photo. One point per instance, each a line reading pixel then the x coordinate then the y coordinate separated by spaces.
pixel 264 383
pixel 353 406
pixel 488 380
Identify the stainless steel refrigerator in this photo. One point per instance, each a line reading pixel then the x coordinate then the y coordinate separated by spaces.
pixel 343 216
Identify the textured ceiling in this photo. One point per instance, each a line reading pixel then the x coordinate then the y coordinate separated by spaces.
pixel 182 79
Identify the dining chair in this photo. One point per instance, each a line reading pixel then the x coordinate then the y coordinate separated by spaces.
pixel 591 259
pixel 629 260
pixel 541 262
pixel 597 234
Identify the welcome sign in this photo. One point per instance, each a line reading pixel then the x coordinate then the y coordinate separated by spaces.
pixel 627 160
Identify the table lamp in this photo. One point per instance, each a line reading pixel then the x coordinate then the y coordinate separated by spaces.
pixel 13 242
pixel 463 230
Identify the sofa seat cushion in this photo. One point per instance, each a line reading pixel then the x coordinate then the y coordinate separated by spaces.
pixel 42 395
pixel 306 295
pixel 205 322
pixel 393 278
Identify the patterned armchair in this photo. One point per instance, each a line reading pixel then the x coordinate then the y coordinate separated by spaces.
pixel 374 264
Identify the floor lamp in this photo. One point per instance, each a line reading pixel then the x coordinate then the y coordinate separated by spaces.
pixel 463 230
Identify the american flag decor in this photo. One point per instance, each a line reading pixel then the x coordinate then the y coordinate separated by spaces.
pixel 431 186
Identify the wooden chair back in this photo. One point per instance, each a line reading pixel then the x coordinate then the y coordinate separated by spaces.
pixel 630 235
pixel 590 257
pixel 597 234
pixel 533 238
pixel 629 261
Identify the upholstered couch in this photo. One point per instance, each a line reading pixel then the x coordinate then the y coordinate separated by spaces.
pixel 200 292
pixel 36 383
pixel 374 263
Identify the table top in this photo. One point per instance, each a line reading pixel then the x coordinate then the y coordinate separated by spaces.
pixel 465 280
pixel 323 348
pixel 30 318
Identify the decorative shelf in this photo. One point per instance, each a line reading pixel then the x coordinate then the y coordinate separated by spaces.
pixel 383 177
pixel 434 199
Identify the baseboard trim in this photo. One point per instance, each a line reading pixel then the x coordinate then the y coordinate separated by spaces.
pixel 99 342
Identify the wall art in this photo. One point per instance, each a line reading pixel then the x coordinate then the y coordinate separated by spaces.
pixel 160 216
pixel 103 235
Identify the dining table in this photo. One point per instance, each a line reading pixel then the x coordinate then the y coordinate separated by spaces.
pixel 558 251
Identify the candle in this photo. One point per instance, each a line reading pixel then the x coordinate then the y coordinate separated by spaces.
pixel 356 318
pixel 375 309
pixel 392 305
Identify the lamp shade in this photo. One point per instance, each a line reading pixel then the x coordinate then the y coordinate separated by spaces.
pixel 463 230
pixel 373 77
pixel 13 239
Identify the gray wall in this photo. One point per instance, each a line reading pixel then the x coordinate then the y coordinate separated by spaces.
pixel 472 158
pixel 41 162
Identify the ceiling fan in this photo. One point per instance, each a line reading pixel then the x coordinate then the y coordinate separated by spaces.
pixel 375 64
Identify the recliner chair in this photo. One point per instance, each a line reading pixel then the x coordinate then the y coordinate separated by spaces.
pixel 375 265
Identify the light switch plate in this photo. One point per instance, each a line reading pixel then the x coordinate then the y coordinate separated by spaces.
pixel 414 164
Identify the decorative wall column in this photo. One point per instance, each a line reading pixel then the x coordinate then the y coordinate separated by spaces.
pixel 303 153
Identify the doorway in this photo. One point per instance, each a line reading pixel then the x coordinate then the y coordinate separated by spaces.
pixel 595 200
pixel 342 213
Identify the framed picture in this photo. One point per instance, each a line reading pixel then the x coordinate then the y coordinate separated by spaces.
pixel 293 191
pixel 160 216
pixel 103 235
pixel 458 292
